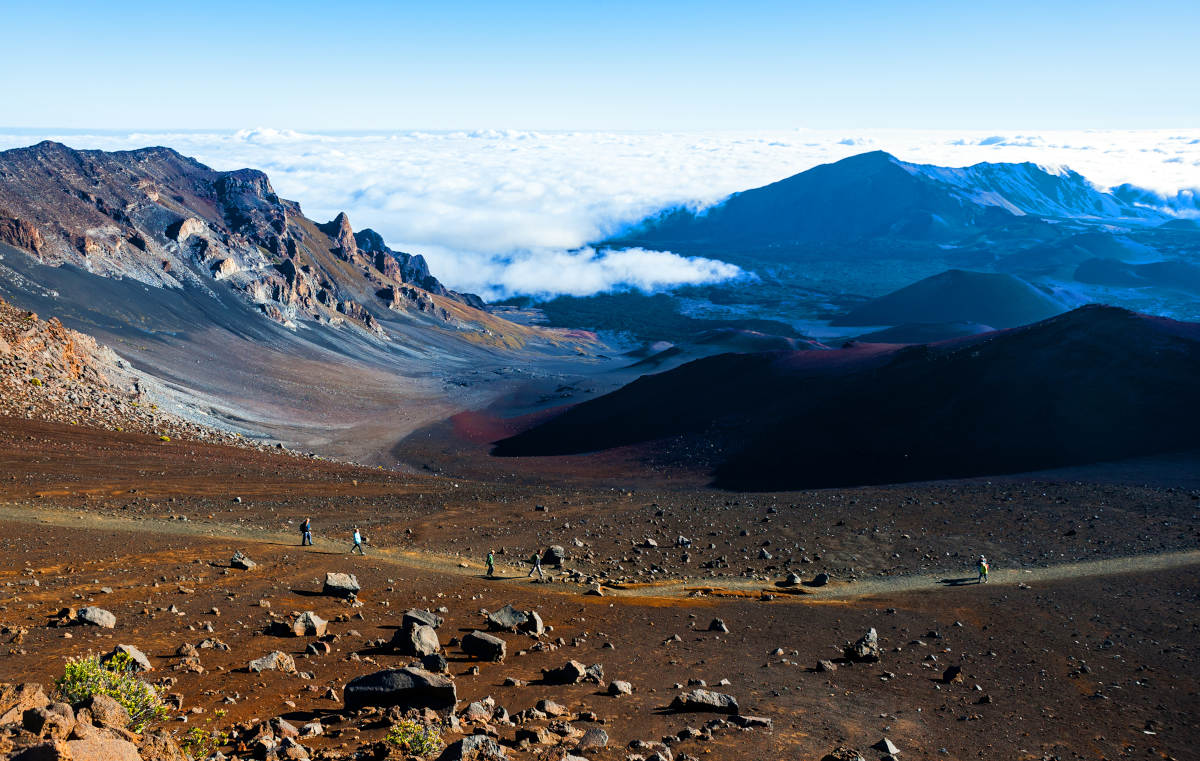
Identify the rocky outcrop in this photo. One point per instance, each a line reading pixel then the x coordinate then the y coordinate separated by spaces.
pixel 152 215
pixel 19 233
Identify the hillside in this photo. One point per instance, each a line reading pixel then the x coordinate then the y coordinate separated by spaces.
pixel 253 317
pixel 1002 301
pixel 1094 384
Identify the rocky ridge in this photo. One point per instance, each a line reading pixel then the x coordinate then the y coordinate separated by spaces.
pixel 166 220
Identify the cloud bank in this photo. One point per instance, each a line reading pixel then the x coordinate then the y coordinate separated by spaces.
pixel 503 212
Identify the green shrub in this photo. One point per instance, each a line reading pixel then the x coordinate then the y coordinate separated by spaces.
pixel 36 381
pixel 85 677
pixel 415 738
pixel 201 743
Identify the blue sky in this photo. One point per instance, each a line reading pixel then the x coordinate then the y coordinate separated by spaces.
pixel 600 65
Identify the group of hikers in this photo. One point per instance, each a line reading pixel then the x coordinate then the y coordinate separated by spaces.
pixel 535 560
pixel 306 537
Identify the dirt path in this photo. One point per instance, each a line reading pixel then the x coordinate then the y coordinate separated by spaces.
pixel 668 589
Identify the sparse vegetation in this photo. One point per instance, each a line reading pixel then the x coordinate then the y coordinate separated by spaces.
pixel 201 743
pixel 415 738
pixel 85 677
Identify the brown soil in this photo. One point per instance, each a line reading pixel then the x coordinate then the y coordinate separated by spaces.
pixel 1087 661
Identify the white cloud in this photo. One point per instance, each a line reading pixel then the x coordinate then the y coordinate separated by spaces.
pixel 505 209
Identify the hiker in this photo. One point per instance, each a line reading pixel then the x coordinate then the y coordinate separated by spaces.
pixel 983 570
pixel 306 533
pixel 536 560
pixel 491 564
pixel 357 543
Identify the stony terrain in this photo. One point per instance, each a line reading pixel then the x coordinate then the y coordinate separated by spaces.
pixel 1003 670
pixel 48 372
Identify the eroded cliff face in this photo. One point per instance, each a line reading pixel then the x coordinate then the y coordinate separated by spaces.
pixel 166 220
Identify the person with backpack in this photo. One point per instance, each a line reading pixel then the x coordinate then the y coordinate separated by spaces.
pixel 536 561
pixel 306 533
pixel 983 570
pixel 357 542
pixel 491 564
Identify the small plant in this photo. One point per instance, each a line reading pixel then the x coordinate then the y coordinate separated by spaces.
pixel 201 743
pixel 87 676
pixel 415 738
pixel 36 381
pixel 164 437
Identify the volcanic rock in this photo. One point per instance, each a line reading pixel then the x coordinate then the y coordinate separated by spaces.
pixel 340 585
pixel 706 701
pixel 417 640
pixel 406 687
pixel 137 658
pixel 97 617
pixel 485 646
pixel 572 672
pixel 865 649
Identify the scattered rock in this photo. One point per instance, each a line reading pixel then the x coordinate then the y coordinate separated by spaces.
pixel 406 687
pixel 137 658
pixel 705 700
pixel 275 661
pixel 418 640
pixel 865 649
pixel 484 646
pixel 718 625
pixel 241 561
pixel 619 687
pixel 418 617
pixel 97 617
pixel 309 624
pixel 572 672
pixel 340 585
pixel 473 748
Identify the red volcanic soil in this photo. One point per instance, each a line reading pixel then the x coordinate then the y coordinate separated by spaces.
pixel 1067 661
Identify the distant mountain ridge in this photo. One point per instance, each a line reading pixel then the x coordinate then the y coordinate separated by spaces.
pixel 874 195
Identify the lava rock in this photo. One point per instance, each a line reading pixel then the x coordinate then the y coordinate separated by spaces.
pixel 97 617
pixel 484 646
pixel 406 688
pixel 706 701
pixel 340 585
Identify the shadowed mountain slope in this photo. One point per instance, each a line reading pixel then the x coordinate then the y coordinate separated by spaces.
pixel 1097 383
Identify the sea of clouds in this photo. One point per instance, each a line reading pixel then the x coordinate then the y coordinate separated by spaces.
pixel 500 212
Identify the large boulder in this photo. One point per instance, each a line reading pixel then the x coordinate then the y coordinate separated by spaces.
pixel 418 640
pixel 509 619
pixel 865 649
pixel 705 701
pixel 843 754
pixel 418 617
pixel 485 646
pixel 340 585
pixel 137 659
pixel 309 624
pixel 474 748
pixel 554 555
pixel 97 617
pixel 571 672
pixel 406 687
pixel 276 661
